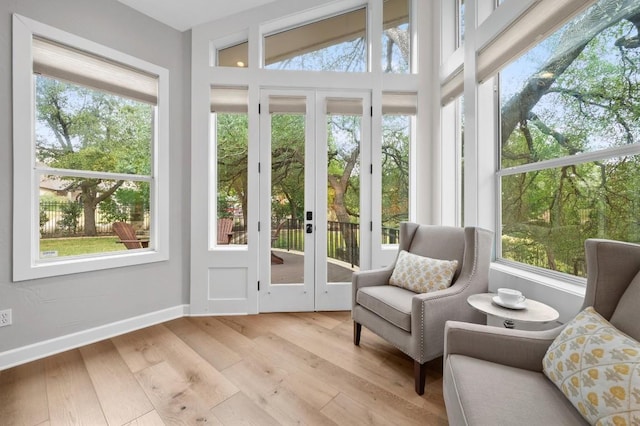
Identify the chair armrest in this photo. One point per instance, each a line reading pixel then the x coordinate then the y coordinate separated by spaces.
pixel 515 348
pixel 369 278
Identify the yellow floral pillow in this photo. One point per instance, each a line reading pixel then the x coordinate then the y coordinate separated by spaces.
pixel 597 367
pixel 422 274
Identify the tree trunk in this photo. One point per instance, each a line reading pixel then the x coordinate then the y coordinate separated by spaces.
pixel 90 200
pixel 339 185
pixel 89 210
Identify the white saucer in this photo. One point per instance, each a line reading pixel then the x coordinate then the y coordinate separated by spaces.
pixel 498 301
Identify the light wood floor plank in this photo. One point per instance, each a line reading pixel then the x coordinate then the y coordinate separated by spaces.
pixel 72 397
pixel 173 398
pixel 318 318
pixel 216 353
pixel 345 411
pixel 235 341
pixel 152 418
pixel 376 398
pixel 211 386
pixel 121 397
pixel 268 388
pixel 267 369
pixel 136 350
pixel 240 410
pixel 23 395
pixel 367 364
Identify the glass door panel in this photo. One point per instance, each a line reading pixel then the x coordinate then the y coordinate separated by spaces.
pixel 287 197
pixel 344 209
pixel 287 181
pixel 310 197
pixel 343 197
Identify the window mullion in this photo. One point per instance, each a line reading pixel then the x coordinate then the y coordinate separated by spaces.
pixel 571 160
pixel 92 174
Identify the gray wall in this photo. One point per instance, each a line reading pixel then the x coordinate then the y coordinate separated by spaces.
pixel 54 307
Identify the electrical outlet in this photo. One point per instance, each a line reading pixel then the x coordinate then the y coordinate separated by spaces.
pixel 5 317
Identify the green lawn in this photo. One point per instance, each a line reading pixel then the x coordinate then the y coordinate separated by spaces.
pixel 80 245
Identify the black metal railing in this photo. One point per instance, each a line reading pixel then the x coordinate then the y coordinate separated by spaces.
pixel 66 218
pixel 343 238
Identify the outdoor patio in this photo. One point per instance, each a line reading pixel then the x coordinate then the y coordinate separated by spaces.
pixel 291 270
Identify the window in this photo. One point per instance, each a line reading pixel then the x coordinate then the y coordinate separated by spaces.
pixel 337 43
pixel 570 141
pixel 230 128
pixel 396 36
pixel 459 158
pixel 398 125
pixel 234 56
pixel 91 155
pixel 460 23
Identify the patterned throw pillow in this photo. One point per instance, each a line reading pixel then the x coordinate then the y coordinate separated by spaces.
pixel 422 274
pixel 597 367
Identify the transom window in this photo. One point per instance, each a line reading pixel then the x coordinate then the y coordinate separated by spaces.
pixel 337 43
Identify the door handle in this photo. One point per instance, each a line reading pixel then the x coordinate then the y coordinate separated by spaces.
pixel 309 228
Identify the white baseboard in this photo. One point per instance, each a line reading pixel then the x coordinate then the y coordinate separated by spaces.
pixel 25 354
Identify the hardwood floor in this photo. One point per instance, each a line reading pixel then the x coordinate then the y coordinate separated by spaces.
pixel 267 369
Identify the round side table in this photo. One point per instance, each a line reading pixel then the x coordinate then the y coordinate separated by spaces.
pixel 534 311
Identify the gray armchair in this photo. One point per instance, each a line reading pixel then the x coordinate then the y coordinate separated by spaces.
pixel 414 322
pixel 493 375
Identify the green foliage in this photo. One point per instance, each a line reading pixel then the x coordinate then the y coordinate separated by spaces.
pixel 82 129
pixel 113 212
pixel 44 217
pixel 232 153
pixel 71 212
pixel 593 105
pixel 395 170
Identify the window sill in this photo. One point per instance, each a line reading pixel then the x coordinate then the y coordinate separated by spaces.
pixel 576 288
pixel 565 295
pixel 50 268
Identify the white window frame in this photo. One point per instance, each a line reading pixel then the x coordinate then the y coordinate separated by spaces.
pixel 26 262
pixel 377 200
pixel 316 15
pixel 482 190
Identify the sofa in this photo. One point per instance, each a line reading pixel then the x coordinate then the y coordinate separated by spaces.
pixel 494 376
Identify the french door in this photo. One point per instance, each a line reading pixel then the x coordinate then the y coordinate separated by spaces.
pixel 314 208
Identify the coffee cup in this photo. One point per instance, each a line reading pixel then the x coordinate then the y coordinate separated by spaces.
pixel 511 297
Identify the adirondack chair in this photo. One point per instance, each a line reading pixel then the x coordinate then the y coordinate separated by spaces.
pixel 128 237
pixel 225 228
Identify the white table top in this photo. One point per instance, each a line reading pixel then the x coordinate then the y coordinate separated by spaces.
pixel 533 312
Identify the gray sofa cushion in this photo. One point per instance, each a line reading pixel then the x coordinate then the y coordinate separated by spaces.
pixel 483 391
pixel 389 302
pixel 626 317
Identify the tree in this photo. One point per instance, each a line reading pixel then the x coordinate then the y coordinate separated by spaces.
pixel 584 97
pixel 232 157
pixel 82 129
pixel 395 170
pixel 288 138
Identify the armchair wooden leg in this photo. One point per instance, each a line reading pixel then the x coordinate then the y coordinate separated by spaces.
pixel 420 375
pixel 357 329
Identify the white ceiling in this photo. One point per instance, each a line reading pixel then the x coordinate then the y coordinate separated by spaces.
pixel 185 14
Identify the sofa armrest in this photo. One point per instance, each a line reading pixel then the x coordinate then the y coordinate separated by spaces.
pixel 515 348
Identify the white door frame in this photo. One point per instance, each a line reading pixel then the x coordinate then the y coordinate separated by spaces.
pixel 298 296
pixel 315 293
